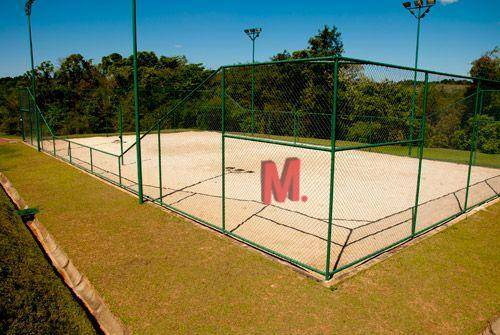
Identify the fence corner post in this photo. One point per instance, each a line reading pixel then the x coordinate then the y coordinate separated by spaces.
pixel 420 154
pixel 332 167
pixel 472 142
pixel 223 138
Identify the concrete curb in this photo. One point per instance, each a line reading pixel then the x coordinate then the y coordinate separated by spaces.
pixel 73 278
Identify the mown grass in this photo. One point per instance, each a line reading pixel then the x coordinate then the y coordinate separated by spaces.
pixel 161 274
pixel 8 136
pixel 33 299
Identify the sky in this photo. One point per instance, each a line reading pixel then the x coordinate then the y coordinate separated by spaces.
pixel 453 34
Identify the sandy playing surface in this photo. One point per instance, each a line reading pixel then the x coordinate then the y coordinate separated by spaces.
pixel 373 193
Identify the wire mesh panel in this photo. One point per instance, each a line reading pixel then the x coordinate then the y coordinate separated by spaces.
pixel 446 152
pixel 277 158
pixel 376 169
pixel 321 162
pixel 484 181
pixel 182 154
pixel 291 101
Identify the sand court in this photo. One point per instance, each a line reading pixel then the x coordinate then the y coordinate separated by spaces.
pixel 374 192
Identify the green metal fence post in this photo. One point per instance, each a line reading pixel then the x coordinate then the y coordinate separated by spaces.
pixel 481 101
pixel 120 131
pixel 295 121
pixel 91 161
pixel 21 115
pixel 472 142
pixel 332 166
pixel 370 134
pixel 160 179
pixel 136 104
pixel 69 153
pixel 30 114
pixel 54 144
pixel 119 171
pixel 420 155
pixel 223 139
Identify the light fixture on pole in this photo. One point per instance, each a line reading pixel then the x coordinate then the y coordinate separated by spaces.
pixel 253 33
pixel 419 11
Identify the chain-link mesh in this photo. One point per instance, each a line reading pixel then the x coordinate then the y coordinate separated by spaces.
pixel 292 104
pixel 412 149
pixel 484 181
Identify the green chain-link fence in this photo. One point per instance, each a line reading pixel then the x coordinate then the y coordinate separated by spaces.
pixel 380 156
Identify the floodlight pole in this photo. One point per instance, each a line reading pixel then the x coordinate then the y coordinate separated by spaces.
pixel 253 85
pixel 136 104
pixel 253 34
pixel 419 16
pixel 412 115
pixel 27 10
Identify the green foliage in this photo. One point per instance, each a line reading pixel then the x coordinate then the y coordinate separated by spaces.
pixel 375 102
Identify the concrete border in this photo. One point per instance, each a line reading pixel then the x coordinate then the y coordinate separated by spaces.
pixel 74 279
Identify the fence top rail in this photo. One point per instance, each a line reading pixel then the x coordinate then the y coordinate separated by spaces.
pixel 357 61
pixel 88 147
pixel 160 121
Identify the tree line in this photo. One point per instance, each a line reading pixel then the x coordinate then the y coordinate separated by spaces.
pixel 290 99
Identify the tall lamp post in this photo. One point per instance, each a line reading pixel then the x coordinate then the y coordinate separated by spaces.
pixel 27 10
pixel 419 11
pixel 253 33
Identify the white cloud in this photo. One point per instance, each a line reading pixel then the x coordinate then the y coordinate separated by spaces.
pixel 447 2
pixel 177 46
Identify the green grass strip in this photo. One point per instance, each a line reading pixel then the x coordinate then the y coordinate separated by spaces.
pixel 34 300
pixel 162 274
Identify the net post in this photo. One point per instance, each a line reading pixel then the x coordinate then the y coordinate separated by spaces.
pixel 223 139
pixel 332 167
pixel 472 142
pixel 420 154
pixel 54 144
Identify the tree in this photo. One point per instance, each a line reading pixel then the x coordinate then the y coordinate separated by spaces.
pixel 327 42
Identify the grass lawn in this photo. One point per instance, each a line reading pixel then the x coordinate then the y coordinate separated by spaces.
pixel 14 137
pixel 34 299
pixel 161 274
